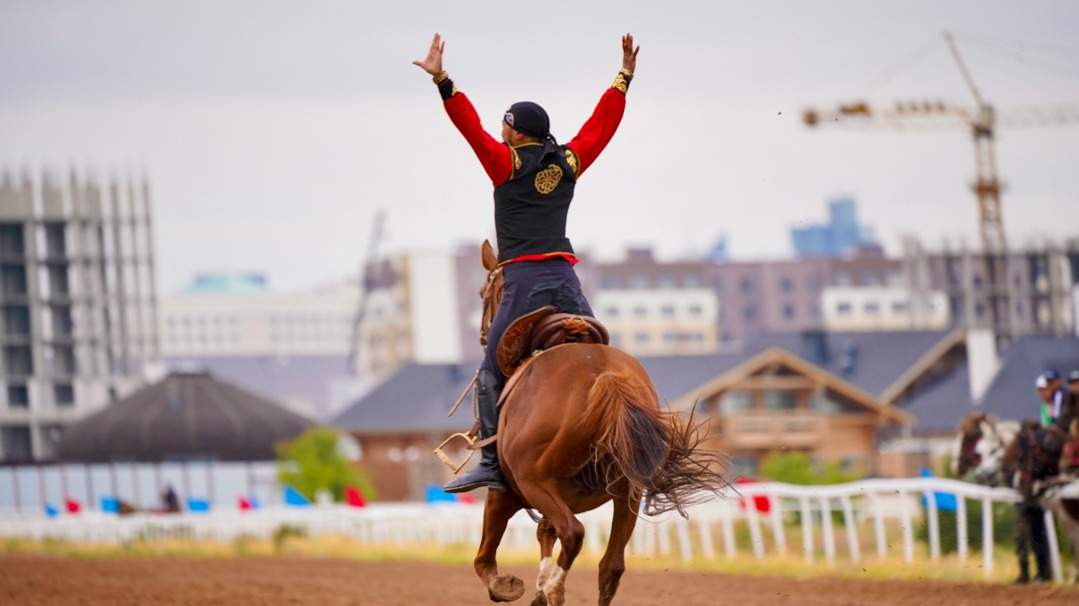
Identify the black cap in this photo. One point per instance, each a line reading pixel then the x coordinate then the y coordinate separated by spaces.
pixel 529 119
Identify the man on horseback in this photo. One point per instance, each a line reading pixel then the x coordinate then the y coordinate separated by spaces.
pixel 534 178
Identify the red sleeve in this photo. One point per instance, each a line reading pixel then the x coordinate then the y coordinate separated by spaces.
pixel 494 156
pixel 598 130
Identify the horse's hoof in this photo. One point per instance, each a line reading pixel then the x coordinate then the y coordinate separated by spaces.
pixel 506 588
pixel 539 600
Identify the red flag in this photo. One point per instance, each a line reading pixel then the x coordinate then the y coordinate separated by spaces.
pixel 73 506
pixel 243 503
pixel 354 497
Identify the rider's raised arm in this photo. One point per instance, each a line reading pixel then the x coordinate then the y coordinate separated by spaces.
pixel 600 127
pixel 493 155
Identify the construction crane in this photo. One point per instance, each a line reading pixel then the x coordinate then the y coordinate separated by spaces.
pixel 982 121
pixel 366 278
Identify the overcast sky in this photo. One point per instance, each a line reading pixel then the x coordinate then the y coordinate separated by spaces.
pixel 272 131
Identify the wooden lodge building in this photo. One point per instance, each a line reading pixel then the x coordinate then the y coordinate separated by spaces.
pixel 880 403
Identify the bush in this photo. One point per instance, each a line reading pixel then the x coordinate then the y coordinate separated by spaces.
pixel 311 463
pixel 798 468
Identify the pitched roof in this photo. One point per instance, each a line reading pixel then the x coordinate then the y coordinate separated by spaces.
pixel 778 355
pixel 870 360
pixel 185 416
pixel 303 382
pixel 418 396
pixel 415 398
pixel 1011 394
pixel 939 405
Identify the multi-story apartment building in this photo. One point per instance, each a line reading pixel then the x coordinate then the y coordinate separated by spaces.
pixel 667 321
pixel 79 303
pixel 238 315
pixel 415 306
pixel 1036 299
pixel 883 308
pixel 752 296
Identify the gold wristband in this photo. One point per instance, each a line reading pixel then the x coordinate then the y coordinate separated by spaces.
pixel 621 81
pixel 440 77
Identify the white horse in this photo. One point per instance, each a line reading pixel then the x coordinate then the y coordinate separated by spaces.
pixel 978 452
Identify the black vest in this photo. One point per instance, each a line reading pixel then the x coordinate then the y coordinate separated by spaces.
pixel 531 206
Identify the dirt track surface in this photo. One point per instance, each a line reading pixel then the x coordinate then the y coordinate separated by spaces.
pixel 281 581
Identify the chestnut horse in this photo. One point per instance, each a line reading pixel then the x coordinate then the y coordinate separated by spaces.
pixel 582 427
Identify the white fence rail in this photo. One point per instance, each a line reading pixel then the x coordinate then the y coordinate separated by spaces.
pixel 863 506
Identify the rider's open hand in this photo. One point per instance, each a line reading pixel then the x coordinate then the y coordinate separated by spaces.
pixel 629 54
pixel 432 63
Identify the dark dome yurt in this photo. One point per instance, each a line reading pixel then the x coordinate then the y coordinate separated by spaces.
pixel 187 416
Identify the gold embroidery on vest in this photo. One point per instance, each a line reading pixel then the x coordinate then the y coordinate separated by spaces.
pixel 571 159
pixel 516 159
pixel 547 179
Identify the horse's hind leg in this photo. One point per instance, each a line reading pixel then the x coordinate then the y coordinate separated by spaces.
pixel 613 563
pixel 570 533
pixel 546 536
pixel 497 512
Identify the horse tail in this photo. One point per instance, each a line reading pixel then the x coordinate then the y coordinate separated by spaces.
pixel 658 453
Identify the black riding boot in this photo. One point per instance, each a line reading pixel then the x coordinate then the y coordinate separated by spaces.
pixel 488 473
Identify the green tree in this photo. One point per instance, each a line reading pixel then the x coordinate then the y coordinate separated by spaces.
pixel 312 462
pixel 798 468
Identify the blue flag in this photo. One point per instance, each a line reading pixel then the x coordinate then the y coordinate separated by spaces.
pixel 294 498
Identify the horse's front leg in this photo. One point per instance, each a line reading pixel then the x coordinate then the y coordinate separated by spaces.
pixel 497 512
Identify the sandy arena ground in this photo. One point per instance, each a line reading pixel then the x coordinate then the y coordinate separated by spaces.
pixel 281 581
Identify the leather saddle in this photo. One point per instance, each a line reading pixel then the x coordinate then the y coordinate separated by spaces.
pixel 543 329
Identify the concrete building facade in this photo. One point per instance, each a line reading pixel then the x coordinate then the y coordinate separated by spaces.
pixel 77 288
pixel 668 321
pixel 237 315
pixel 854 308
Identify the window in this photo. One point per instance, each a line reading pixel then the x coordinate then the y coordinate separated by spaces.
pixel 977 281
pixel 58 281
pixel 696 310
pixel 16 443
pixel 667 311
pixel 780 400
pixel 63 326
pixel 691 280
pixel 842 278
pixel 18 396
pixel 748 312
pixel 18 361
pixel 12 242
pixel 55 245
pixel 899 308
pixel 872 308
pixel 642 338
pixel 12 280
pixel 786 284
pixel 745 285
pixel 734 402
pixel 64 361
pixel 16 321
pixel 844 308
pixel 640 311
pixel 671 338
pixel 63 394
pixel 788 311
